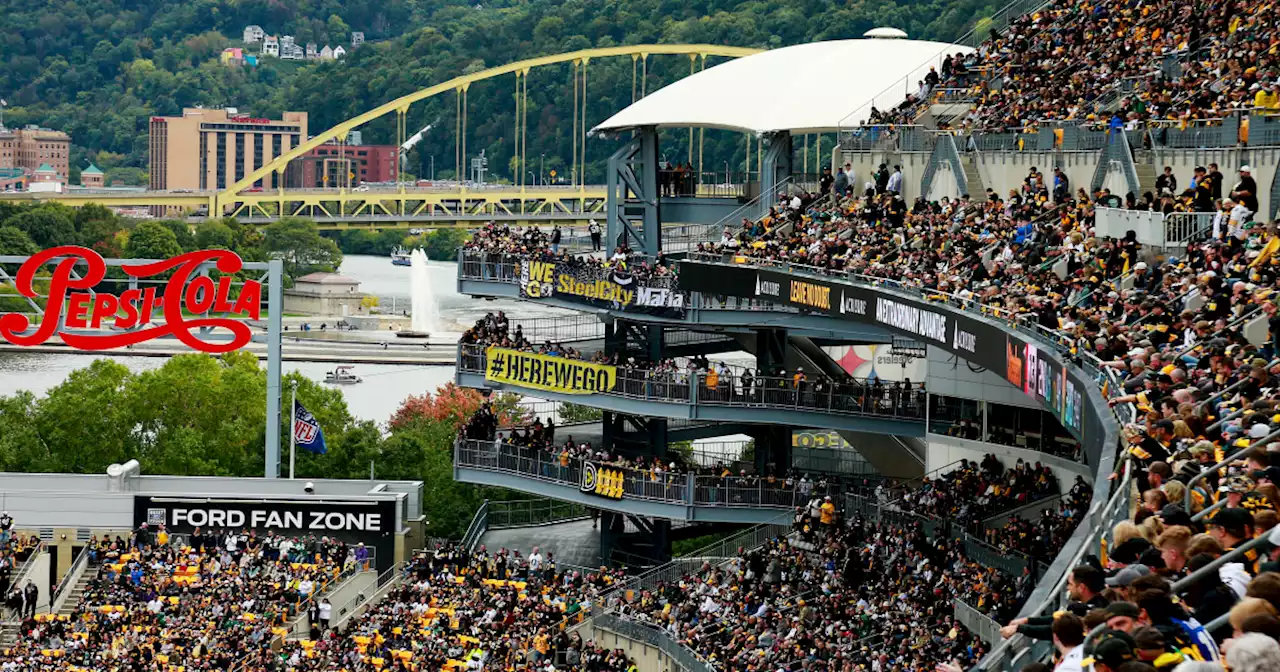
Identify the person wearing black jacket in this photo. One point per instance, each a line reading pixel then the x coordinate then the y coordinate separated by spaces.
pixel 1084 586
pixel 1209 596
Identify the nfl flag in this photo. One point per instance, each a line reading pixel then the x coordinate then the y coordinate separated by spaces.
pixel 306 430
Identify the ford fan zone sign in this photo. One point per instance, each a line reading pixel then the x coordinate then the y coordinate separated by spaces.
pixel 176 308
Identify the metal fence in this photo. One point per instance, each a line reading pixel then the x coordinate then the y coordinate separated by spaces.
pixel 715 553
pixel 682 657
pixel 523 512
pixel 856 397
pixel 978 623
pixel 729 491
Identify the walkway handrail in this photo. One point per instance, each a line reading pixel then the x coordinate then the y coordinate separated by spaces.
pixel 850 397
pixel 1233 556
pixel 1239 454
pixel 387 580
pixel 678 489
pixel 685 658
pixel 479 524
pixel 69 580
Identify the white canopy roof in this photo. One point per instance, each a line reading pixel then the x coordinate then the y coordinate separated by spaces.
pixel 808 88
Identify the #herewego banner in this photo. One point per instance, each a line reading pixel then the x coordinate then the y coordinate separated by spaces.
pixel 543 372
pixel 613 288
pixel 134 315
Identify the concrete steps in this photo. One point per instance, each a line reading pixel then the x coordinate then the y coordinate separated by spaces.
pixel 1146 178
pixel 972 178
pixel 77 592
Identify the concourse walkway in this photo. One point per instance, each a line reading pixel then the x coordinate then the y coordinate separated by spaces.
pixel 854 405
pixel 668 496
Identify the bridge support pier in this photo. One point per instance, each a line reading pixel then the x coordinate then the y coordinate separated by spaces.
pixel 633 201
pixel 647 544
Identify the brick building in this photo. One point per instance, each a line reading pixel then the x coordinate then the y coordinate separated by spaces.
pixel 30 147
pixel 334 165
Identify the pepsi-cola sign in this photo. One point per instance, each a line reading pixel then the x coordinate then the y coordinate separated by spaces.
pixel 140 314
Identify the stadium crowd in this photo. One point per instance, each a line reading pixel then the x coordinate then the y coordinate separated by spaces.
pixel 972 491
pixel 457 610
pixel 155 604
pixel 1111 64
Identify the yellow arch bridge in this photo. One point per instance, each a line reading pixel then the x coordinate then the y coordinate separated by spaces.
pixel 405 205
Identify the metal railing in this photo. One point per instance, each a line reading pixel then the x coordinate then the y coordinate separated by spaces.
pixel 688 237
pixel 707 491
pixel 479 523
pixel 977 622
pixel 525 512
pixel 683 657
pixel 360 603
pixel 855 397
pixel 714 554
pixel 78 567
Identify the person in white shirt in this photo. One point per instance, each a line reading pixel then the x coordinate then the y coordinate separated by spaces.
pixel 304 587
pixel 535 560
pixel 326 610
pixel 1068 638
pixel 895 180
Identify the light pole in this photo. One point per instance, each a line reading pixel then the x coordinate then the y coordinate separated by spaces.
pixel 542 170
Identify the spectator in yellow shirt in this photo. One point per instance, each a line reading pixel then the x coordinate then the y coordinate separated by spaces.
pixel 1267 98
pixel 828 511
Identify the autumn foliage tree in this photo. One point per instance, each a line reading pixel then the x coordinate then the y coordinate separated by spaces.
pixel 454 406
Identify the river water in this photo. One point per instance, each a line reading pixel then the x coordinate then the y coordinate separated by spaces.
pixel 384 386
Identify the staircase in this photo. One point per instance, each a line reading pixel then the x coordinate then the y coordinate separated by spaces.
pixel 1146 178
pixel 972 178
pixel 77 591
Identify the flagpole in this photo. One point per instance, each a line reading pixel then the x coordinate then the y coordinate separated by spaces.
pixel 293 415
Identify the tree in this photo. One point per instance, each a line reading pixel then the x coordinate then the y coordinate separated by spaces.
pixel 443 244
pixel 454 406
pixel 181 233
pixel 152 240
pixel 15 241
pixel 212 234
pixel 47 227
pixel 570 412
pixel 298 242
pixel 85 421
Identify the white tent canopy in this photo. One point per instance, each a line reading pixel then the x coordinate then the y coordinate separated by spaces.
pixel 808 88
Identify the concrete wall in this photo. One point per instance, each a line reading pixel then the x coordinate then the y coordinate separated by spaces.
pixel 1262 161
pixel 38 573
pixel 1003 171
pixel 648 658
pixel 944 450
pixel 866 163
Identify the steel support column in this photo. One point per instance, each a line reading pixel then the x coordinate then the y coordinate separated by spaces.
pixel 632 198
pixel 776 166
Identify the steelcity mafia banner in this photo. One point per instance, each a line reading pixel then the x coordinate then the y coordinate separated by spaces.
pixel 371 522
pixel 543 372
pixel 1037 372
pixel 615 289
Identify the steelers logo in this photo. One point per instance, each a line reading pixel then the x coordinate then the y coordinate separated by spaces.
pixel 588 477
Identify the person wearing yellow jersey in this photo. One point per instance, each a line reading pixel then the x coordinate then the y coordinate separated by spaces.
pixel 828 511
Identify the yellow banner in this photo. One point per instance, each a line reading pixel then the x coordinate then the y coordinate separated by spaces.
pixel 554 374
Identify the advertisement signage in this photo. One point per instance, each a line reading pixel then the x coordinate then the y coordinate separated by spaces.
pixel 543 372
pixel 1039 373
pixel 134 315
pixel 372 523
pixel 615 288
